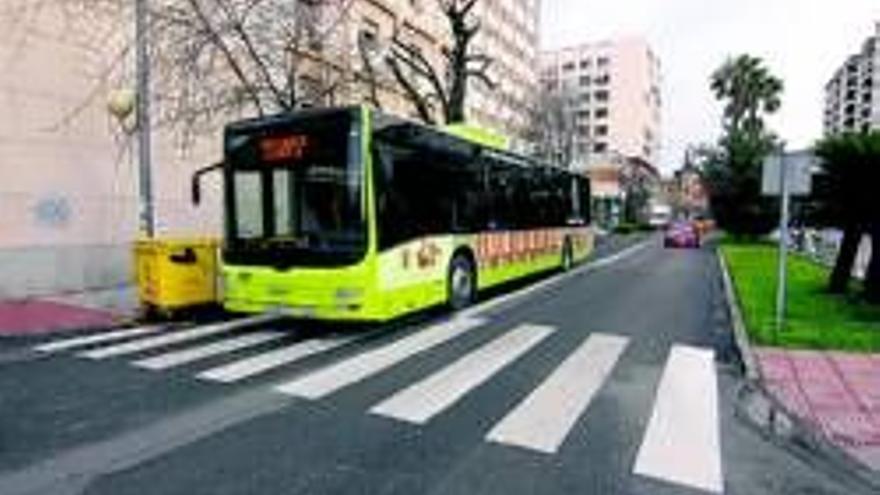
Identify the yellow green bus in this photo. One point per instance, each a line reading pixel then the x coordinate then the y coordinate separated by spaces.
pixel 350 214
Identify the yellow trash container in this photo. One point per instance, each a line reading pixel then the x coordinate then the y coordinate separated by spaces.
pixel 175 274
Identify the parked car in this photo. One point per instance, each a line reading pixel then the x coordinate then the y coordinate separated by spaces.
pixel 681 235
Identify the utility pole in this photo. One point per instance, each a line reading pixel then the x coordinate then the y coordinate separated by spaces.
pixel 145 180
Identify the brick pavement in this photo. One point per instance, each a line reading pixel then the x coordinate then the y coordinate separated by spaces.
pixel 837 392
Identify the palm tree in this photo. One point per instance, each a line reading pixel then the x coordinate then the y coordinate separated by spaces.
pixel 846 198
pixel 750 91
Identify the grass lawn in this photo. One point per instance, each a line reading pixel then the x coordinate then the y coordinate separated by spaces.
pixel 815 319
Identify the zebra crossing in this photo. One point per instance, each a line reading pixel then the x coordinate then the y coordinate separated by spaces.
pixel 683 423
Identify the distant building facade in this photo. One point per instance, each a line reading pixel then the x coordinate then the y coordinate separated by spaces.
pixel 852 96
pixel 614 89
pixel 687 193
pixel 622 187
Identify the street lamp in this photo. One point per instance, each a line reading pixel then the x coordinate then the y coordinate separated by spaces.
pixel 127 103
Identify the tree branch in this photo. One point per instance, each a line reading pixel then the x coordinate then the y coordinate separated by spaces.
pixel 230 58
pixel 422 106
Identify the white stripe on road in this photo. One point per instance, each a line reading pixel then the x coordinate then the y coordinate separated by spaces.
pixel 431 396
pixel 681 444
pixel 174 337
pixel 267 361
pixel 185 356
pixel 328 380
pixel 65 344
pixel 544 418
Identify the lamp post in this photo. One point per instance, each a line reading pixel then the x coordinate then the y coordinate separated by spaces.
pixel 142 64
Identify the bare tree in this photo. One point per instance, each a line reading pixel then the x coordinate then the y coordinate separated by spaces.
pixel 553 126
pixel 261 56
pixel 428 87
pixel 212 59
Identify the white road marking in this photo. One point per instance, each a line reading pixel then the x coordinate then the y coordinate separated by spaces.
pixel 185 356
pixel 543 419
pixel 681 444
pixel 421 401
pixel 71 343
pixel 267 361
pixel 340 375
pixel 174 337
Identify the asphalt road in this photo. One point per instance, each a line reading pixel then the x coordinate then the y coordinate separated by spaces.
pixel 618 378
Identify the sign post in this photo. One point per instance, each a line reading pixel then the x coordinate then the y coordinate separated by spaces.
pixel 785 174
pixel 781 285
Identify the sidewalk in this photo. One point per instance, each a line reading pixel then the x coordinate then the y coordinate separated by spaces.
pixel 837 392
pixel 59 313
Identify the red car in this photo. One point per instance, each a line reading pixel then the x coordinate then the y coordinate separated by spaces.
pixel 681 235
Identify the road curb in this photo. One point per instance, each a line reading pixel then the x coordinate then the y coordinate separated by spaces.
pixel 756 406
pixel 741 338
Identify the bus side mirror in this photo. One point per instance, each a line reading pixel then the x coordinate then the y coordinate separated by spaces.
pixel 197 181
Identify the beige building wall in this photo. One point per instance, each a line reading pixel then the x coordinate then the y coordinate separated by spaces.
pixel 614 87
pixel 68 179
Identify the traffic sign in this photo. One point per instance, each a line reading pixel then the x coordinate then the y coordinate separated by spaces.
pixel 799 169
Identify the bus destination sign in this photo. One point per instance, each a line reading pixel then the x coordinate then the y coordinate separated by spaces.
pixel 291 147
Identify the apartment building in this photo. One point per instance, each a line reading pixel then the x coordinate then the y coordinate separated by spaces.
pixel 614 90
pixel 852 96
pixel 508 34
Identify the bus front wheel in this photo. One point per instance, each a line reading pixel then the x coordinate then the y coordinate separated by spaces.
pixel 461 283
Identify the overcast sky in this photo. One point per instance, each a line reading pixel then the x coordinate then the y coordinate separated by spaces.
pixel 802 41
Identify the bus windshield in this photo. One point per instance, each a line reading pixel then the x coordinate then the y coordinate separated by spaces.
pixel 296 194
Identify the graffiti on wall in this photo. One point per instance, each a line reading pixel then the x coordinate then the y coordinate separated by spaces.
pixel 52 211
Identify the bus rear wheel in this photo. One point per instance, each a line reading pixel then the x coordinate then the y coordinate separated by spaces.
pixel 461 282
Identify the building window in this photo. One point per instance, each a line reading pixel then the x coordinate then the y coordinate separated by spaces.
pixel 568 67
pixel 603 61
pixel 586 63
pixel 585 97
pixel 584 80
pixel 603 79
pixel 583 148
pixel 601 113
pixel 602 130
pixel 600 147
pixel 601 95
